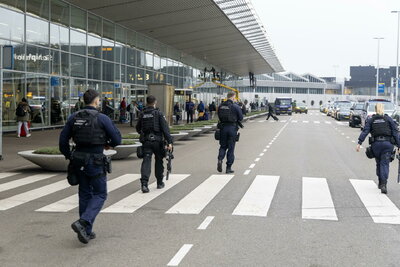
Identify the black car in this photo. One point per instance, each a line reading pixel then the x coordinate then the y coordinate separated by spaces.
pixel 355 114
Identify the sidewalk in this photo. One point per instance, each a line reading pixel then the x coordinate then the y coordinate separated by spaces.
pixel 12 145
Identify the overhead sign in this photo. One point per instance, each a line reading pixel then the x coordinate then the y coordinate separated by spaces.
pixel 8 59
pixel 381 88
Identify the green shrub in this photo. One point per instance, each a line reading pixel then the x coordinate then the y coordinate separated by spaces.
pixel 131 136
pixel 53 150
pixel 126 142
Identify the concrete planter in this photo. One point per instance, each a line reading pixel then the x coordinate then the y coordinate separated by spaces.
pixel 52 162
pixel 124 151
pixel 194 132
pixel 206 129
pixel 180 136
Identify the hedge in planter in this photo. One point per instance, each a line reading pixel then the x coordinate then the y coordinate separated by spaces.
pixel 51 150
pixel 131 136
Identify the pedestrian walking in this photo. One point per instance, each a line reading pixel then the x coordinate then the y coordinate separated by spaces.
pixel 92 132
pixel 177 113
pixel 229 115
pixel 22 112
pixel 384 136
pixel 212 108
pixel 271 112
pixel 133 110
pixel 122 111
pixel 154 132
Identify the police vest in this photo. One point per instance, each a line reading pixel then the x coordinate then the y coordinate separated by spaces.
pixel 380 126
pixel 86 129
pixel 151 121
pixel 226 113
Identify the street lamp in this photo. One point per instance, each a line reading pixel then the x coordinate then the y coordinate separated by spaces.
pixel 397 61
pixel 377 67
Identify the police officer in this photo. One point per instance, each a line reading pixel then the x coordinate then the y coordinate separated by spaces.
pixel 229 115
pixel 153 129
pixel 384 136
pixel 91 131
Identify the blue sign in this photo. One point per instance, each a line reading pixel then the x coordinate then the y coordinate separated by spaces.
pixel 381 88
pixel 55 81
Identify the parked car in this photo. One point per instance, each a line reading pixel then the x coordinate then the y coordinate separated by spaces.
pixel 301 108
pixel 355 114
pixel 369 109
pixel 342 111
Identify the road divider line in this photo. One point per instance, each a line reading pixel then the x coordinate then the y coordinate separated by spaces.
pixel 378 205
pixel 317 201
pixel 264 150
pixel 199 198
pixel 137 200
pixel 246 172
pixel 206 223
pixel 72 202
pixel 7 174
pixel 257 159
pixel 305 121
pixel 25 181
pixel 252 166
pixel 257 200
pixel 176 260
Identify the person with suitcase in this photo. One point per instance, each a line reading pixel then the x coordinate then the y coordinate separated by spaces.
pixel 23 116
pixel 271 112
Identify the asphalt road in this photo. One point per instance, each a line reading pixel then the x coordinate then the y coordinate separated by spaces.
pixel 300 196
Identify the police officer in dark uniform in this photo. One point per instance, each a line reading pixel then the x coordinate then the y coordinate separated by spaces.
pixel 153 129
pixel 384 136
pixel 230 115
pixel 92 132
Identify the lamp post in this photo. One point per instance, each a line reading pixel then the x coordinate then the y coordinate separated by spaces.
pixel 397 60
pixel 377 67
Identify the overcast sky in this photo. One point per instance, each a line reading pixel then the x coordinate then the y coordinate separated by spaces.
pixel 317 35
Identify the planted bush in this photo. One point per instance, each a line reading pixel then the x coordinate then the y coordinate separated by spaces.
pixel 131 136
pixel 126 142
pixel 53 150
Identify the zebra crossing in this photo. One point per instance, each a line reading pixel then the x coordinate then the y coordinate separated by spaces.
pixel 316 202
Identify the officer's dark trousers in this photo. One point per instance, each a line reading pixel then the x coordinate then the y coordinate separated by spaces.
pixel 189 117
pixel 382 151
pixel 92 193
pixel 150 148
pixel 227 144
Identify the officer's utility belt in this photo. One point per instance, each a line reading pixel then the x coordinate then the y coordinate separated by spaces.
pixel 223 124
pixel 151 138
pixel 381 139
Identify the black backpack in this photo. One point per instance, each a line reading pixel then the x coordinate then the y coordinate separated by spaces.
pixel 20 111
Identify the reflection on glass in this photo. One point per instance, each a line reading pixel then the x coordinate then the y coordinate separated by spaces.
pixel 37 31
pixel 13 91
pixel 59 106
pixel 59 12
pixel 78 42
pixel 78 66
pixel 123 73
pixel 78 18
pixel 149 60
pixel 37 91
pixel 19 55
pixel 19 4
pixel 38 59
pixel 59 37
pixel 117 72
pixel 108 29
pixel 94 24
pixel 65 71
pixel 94 46
pixel 11 25
pixel 140 76
pixel 108 71
pixel 130 75
pixel 38 7
pixel 157 63
pixel 55 63
pixel 141 60
pixel 94 69
pixel 78 88
pixel 131 57
pixel 108 50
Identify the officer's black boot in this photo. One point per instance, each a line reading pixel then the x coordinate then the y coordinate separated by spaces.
pixel 219 166
pixel 229 169
pixel 145 188
pixel 79 227
pixel 383 188
pixel 160 185
pixel 380 184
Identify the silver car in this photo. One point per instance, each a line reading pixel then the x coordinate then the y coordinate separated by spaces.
pixel 369 110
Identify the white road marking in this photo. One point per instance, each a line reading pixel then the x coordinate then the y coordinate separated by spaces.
pixel 25 181
pixel 305 121
pixel 316 122
pixel 342 133
pixel 206 223
pixel 247 172
pixel 353 141
pixel 294 121
pixel 199 198
pixel 258 198
pixel 268 146
pixel 251 121
pixel 137 200
pixel 317 202
pixel 257 159
pixel 265 150
pixel 347 137
pixel 72 202
pixel 261 154
pixel 23 198
pixel 252 166
pixel 180 255
pixel 271 121
pixel 328 122
pixel 284 121
pixel 379 206
pixel 262 121
pixel 7 174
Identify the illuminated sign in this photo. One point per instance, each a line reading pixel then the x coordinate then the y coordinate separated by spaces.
pixel 33 57
pixel 107 49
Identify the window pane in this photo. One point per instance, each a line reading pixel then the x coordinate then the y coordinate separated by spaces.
pixel 94 46
pixel 140 76
pixel 37 59
pixel 59 101
pixel 78 18
pixel 123 73
pixel 94 24
pixel 130 75
pixel 13 91
pixel 65 71
pixel 60 12
pixel 55 63
pixel 120 34
pixel 19 4
pixel 149 60
pixel 157 63
pixel 78 66
pixel 141 59
pixel 11 25
pixel 108 50
pixel 131 57
pixel 37 31
pixel 59 37
pixel 78 88
pixel 78 42
pixel 117 72
pixel 108 30
pixel 38 7
pixel 118 52
pixel 108 71
pixel 37 88
pixel 19 56
pixel 94 69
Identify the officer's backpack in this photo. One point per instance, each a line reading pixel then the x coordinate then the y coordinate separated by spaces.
pixel 86 129
pixel 226 114
pixel 20 111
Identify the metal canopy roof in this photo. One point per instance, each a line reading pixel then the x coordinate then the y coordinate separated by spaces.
pixel 226 33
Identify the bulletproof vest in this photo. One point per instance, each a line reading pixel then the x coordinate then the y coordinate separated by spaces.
pixel 380 126
pixel 226 113
pixel 86 129
pixel 151 121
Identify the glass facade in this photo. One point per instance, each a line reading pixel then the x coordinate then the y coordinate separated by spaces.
pixel 51 52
